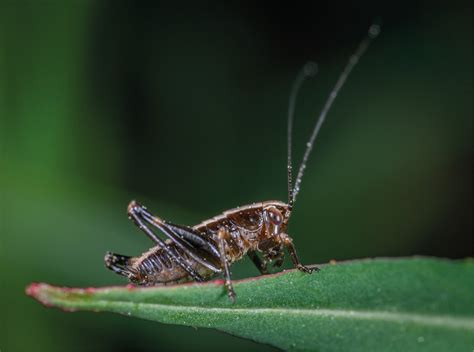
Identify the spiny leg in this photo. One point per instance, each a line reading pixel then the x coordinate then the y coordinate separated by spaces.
pixel 187 239
pixel 224 235
pixel 134 210
pixel 261 265
pixel 288 242
pixel 194 238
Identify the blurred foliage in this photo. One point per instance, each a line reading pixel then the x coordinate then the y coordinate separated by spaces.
pixel 183 108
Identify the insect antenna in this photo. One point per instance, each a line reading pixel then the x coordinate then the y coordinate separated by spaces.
pixel 309 70
pixel 373 32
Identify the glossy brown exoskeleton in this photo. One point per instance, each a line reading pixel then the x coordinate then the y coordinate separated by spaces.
pixel 258 230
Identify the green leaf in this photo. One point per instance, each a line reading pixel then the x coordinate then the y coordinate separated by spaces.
pixel 417 304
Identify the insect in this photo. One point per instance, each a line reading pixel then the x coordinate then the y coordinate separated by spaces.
pixel 258 230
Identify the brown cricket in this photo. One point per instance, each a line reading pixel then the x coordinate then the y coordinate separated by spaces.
pixel 205 250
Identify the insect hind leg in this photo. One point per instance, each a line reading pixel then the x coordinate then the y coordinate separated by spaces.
pixel 119 263
pixel 141 217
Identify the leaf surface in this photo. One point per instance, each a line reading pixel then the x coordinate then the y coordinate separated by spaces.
pixel 408 304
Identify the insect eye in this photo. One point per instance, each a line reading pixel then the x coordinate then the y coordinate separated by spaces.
pixel 275 216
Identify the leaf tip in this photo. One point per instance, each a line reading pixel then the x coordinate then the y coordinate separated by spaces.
pixel 37 291
pixel 47 295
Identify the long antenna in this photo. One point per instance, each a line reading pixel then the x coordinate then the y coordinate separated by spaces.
pixel 373 32
pixel 309 70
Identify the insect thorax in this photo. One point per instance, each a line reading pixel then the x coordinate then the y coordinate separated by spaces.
pixel 249 227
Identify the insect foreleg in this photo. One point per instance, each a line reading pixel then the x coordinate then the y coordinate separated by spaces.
pixel 288 242
pixel 134 211
pixel 261 265
pixel 224 235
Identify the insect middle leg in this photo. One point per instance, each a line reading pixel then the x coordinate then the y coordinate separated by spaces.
pixel 279 259
pixel 259 263
pixel 224 235
pixel 288 242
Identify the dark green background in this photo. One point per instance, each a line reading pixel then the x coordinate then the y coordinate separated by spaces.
pixel 182 107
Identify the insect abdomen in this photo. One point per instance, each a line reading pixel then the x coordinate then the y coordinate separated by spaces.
pixel 156 267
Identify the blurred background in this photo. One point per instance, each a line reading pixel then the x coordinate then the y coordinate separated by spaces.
pixel 183 107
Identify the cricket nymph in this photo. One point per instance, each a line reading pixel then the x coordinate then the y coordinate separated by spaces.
pixel 209 248
pixel 258 230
